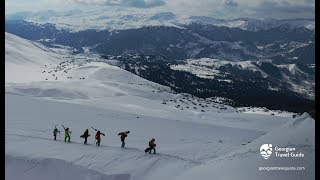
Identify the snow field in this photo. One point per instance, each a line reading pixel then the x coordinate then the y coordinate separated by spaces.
pixel 191 144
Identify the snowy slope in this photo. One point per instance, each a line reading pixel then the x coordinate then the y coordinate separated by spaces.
pixel 298 133
pixel 254 24
pixel 75 90
pixel 208 68
pixel 51 169
pixel 25 56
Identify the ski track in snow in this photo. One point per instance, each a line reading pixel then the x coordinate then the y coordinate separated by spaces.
pixel 165 156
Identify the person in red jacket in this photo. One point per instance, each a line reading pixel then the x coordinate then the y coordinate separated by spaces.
pixel 98 136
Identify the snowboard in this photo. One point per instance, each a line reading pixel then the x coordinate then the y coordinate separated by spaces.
pixel 147 150
pixel 83 136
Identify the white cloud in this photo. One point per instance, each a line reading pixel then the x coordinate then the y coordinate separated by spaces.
pixel 127 3
pixel 283 9
pixel 245 8
pixel 12 6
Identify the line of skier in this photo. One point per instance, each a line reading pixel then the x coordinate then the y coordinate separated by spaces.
pixel 85 135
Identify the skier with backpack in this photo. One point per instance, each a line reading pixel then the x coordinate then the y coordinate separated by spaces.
pixel 98 136
pixel 123 135
pixel 67 134
pixel 85 135
pixel 152 146
pixel 55 131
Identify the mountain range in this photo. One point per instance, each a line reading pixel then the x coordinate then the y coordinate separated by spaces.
pixel 253 62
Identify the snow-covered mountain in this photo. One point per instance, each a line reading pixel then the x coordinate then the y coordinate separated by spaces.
pixel 112 18
pixel 105 18
pixel 254 24
pixel 281 44
pixel 195 137
pixel 247 83
pixel 288 76
pixel 152 50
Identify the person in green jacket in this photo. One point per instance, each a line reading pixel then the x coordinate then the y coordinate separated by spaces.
pixel 67 134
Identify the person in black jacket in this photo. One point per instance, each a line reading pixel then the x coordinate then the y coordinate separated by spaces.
pixel 55 131
pixel 123 135
pixel 152 146
pixel 85 135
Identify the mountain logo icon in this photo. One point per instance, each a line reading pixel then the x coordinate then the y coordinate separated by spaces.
pixel 266 150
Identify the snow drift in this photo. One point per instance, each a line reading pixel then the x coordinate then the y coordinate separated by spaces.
pixel 51 169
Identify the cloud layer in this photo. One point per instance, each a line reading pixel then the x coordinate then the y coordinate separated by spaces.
pixel 277 9
pixel 262 9
pixel 127 3
pixel 283 9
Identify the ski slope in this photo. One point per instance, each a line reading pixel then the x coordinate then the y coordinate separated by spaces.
pixel 192 143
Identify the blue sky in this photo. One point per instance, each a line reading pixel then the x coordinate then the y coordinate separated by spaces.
pixel 278 9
